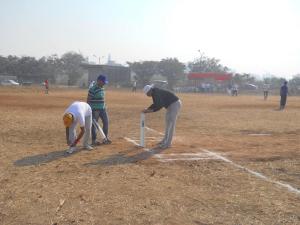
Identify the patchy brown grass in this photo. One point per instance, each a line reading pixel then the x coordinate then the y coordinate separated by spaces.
pixel 122 184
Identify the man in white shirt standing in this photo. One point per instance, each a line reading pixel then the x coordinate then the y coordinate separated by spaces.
pixel 266 88
pixel 78 113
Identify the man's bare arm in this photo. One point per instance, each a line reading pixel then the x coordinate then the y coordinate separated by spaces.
pixel 82 130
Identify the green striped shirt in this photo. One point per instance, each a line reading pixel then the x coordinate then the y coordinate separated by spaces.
pixel 96 97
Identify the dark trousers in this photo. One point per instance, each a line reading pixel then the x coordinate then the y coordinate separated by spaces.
pixel 101 113
pixel 266 94
pixel 282 101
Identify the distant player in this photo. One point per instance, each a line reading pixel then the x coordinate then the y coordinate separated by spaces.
pixel 78 113
pixel 96 99
pixel 46 83
pixel 163 98
pixel 134 86
pixel 234 90
pixel 266 88
pixel 283 95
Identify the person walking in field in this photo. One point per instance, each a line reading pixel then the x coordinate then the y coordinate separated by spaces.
pixel 163 98
pixel 283 95
pixel 46 83
pixel 234 90
pixel 266 88
pixel 134 86
pixel 96 99
pixel 78 113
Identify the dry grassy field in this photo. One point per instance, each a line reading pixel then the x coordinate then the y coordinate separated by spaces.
pixel 231 162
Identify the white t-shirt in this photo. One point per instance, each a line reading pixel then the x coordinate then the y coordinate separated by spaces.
pixel 266 87
pixel 79 110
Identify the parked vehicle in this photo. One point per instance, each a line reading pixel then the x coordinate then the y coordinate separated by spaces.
pixel 26 83
pixel 9 83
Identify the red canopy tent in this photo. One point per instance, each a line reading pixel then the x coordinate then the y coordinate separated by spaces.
pixel 215 76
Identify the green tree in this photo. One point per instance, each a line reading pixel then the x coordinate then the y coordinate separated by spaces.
pixel 12 67
pixel 172 69
pixel 205 64
pixel 294 84
pixel 144 70
pixel 3 65
pixel 52 67
pixel 70 63
pixel 275 82
pixel 242 79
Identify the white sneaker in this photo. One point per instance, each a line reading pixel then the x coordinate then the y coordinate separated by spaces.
pixel 88 147
pixel 71 150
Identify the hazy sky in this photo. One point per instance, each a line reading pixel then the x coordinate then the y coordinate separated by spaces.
pixel 256 36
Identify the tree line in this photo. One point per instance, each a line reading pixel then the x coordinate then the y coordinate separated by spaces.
pixel 174 70
pixel 53 67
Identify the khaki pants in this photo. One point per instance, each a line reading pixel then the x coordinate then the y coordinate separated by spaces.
pixel 87 133
pixel 171 117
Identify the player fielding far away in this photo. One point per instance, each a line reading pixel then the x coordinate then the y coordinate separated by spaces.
pixel 78 113
pixel 283 95
pixel 266 88
pixel 163 98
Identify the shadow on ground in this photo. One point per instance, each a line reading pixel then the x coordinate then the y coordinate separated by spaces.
pixel 42 158
pixel 122 158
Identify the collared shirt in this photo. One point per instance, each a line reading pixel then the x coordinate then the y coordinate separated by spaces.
pixel 96 97
pixel 162 98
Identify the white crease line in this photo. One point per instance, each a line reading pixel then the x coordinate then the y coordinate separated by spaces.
pixel 163 157
pixel 199 154
pixel 137 144
pixel 131 141
pixel 146 137
pixel 149 140
pixel 289 187
pixel 155 131
pixel 185 159
pixel 259 134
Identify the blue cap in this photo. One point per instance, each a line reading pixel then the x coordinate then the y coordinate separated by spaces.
pixel 102 78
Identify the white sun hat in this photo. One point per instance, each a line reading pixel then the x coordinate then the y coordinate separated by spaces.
pixel 147 88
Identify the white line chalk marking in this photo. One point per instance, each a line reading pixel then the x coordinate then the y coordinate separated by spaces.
pixel 256 174
pixel 155 131
pixel 170 157
pixel 197 154
pixel 201 156
pixel 131 141
pixel 259 134
pixel 259 175
pixel 184 159
pixel 151 139
pixel 137 144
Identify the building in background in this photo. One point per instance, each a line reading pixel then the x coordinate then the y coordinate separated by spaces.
pixel 116 74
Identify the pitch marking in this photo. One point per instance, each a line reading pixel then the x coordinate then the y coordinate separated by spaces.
pixel 257 174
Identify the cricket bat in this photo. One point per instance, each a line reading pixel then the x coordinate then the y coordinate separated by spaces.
pixel 99 128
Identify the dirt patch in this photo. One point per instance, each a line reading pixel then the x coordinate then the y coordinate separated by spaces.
pixel 123 184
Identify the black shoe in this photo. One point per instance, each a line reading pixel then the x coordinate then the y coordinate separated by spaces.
pixel 96 143
pixel 106 141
